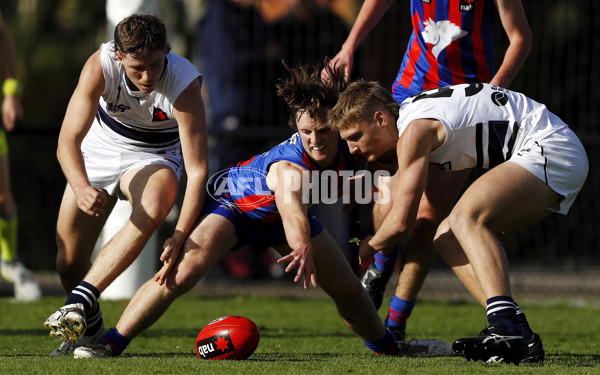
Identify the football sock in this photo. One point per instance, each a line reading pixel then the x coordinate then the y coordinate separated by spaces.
pixel 502 310
pixel 523 324
pixel 93 319
pixel 387 345
pixel 385 263
pixel 117 341
pixel 8 237
pixel 399 312
pixel 84 293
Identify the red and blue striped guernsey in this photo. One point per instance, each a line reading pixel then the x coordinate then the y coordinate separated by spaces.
pixel 452 42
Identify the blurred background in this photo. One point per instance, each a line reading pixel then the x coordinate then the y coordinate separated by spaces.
pixel 239 45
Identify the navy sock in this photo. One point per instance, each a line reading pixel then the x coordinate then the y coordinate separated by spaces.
pixel 502 310
pixel 84 293
pixel 399 311
pixel 385 263
pixel 94 320
pixel 117 341
pixel 387 345
pixel 523 324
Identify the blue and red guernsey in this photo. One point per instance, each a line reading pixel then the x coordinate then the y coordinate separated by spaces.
pixel 247 180
pixel 452 42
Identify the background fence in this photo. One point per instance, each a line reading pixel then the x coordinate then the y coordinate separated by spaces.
pixel 239 46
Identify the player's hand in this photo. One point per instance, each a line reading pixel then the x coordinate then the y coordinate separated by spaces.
pixel 171 251
pixel 365 251
pixel 343 58
pixel 92 201
pixel 303 260
pixel 11 111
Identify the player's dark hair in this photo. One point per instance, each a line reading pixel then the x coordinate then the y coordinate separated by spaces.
pixel 140 35
pixel 358 103
pixel 304 91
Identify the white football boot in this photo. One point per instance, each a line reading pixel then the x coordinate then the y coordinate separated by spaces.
pixel 68 347
pixel 67 323
pixel 424 348
pixel 25 286
pixel 93 351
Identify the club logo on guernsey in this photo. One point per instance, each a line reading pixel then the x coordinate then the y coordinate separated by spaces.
pixel 215 346
pixel 159 115
pixel 440 34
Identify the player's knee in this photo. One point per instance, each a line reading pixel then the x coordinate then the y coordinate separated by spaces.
pixel 185 277
pixel 150 216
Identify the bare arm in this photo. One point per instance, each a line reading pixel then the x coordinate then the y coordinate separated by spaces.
pixel 295 223
pixel 517 29
pixel 78 119
pixel 190 115
pixel 370 13
pixel 413 149
pixel 12 110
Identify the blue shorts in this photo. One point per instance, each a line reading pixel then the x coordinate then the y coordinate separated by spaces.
pixel 250 231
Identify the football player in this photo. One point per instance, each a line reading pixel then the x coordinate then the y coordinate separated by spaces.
pixel 135 120
pixel 536 165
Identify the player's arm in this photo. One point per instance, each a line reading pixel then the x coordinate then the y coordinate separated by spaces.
pixel 78 119
pixel 370 13
pixel 413 150
pixel 517 29
pixel 189 112
pixel 285 178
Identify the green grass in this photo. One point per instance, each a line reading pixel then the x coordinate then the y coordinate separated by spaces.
pixel 298 336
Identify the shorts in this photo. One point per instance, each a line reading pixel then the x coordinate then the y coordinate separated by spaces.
pixel 106 162
pixel 250 231
pixel 559 160
pixel 3 142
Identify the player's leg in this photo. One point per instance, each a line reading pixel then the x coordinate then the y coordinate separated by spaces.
pixel 356 309
pixel 505 199
pixel 449 249
pixel 336 277
pixel 76 234
pixel 151 190
pixel 419 254
pixel 208 243
pixel 26 287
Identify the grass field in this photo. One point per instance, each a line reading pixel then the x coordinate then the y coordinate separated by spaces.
pixel 298 336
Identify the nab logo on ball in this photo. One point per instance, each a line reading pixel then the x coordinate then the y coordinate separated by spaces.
pixel 229 337
pixel 215 346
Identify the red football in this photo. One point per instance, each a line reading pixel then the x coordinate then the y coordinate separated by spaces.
pixel 229 337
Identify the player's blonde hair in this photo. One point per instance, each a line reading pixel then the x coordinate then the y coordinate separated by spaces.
pixel 358 103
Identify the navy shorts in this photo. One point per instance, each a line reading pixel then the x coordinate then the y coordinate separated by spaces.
pixel 250 231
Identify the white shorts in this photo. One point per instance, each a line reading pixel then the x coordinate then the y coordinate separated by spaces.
pixel 559 160
pixel 106 161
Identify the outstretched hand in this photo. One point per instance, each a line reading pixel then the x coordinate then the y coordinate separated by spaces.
pixel 171 251
pixel 303 260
